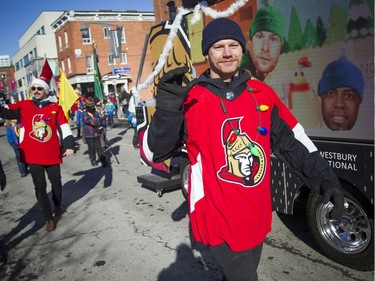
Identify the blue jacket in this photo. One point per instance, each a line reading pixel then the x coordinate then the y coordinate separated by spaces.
pixel 91 124
pixel 110 109
pixel 12 136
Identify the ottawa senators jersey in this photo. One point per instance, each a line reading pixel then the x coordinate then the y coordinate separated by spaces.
pixel 40 132
pixel 229 196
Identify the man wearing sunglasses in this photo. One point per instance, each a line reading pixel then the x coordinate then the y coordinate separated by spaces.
pixel 43 125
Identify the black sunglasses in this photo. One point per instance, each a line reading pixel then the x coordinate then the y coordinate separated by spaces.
pixel 37 88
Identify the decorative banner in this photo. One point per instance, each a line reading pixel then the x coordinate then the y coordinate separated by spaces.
pixel 115 37
pixel 67 94
pixel 98 85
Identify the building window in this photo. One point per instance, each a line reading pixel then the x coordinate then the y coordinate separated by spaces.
pixel 111 60
pixel 29 77
pixel 89 63
pixel 69 66
pixel 86 36
pixel 17 66
pixel 62 65
pixel 60 43
pixel 42 31
pixel 106 31
pixel 123 37
pixel 31 56
pixel 19 83
pixel 35 53
pixel 66 39
pixel 26 60
pixel 171 9
pixel 124 58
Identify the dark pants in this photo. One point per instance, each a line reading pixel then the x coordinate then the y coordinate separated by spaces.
pixel 22 167
pixel 238 266
pixel 135 138
pixel 40 183
pixel 78 131
pixel 110 120
pixel 95 148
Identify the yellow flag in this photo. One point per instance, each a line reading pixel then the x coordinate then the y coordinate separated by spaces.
pixel 67 94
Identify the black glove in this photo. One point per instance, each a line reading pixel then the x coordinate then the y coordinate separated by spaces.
pixel 330 190
pixel 3 181
pixel 170 93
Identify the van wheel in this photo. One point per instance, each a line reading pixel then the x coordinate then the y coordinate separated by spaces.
pixel 184 174
pixel 348 240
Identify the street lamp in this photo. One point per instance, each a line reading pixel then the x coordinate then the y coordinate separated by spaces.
pixel 114 45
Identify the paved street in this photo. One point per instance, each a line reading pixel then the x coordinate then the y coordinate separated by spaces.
pixel 116 229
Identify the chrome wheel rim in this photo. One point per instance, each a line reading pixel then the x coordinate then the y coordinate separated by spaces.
pixel 351 234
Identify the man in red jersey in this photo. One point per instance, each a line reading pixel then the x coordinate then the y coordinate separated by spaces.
pixel 43 126
pixel 230 122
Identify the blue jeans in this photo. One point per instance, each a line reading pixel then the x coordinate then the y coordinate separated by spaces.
pixel 110 120
pixel 22 167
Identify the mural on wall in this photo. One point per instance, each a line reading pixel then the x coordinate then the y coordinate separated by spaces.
pixel 319 59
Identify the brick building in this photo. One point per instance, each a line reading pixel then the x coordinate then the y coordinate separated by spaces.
pixel 75 33
pixel 7 82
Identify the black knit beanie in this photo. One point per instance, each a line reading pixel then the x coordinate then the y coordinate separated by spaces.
pixel 219 29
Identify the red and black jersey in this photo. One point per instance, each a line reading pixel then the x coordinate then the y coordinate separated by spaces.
pixel 230 131
pixel 41 128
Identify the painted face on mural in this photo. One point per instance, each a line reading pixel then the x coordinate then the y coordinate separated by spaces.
pixel 265 49
pixel 340 108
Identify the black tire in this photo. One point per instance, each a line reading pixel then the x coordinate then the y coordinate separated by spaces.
pixel 350 239
pixel 184 175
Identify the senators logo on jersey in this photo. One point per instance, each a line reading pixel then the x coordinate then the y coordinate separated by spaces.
pixel 245 159
pixel 41 131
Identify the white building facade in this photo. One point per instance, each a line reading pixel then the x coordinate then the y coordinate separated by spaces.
pixel 4 61
pixel 36 44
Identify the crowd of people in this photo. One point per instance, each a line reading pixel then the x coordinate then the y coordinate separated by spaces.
pixel 39 124
pixel 40 136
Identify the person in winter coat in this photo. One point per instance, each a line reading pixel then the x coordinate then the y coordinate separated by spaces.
pixel 230 123
pixel 92 129
pixel 78 115
pixel 110 111
pixel 45 137
pixel 13 132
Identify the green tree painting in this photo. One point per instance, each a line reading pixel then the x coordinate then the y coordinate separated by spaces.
pixel 336 27
pixel 320 31
pixel 295 35
pixel 309 38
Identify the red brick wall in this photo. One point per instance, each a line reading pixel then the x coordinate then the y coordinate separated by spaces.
pixel 135 33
